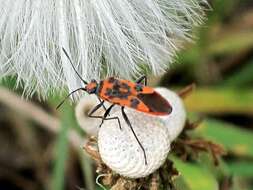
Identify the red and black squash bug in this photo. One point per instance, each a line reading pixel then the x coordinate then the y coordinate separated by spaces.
pixel 125 94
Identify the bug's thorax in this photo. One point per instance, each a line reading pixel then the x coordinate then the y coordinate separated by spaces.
pixel 92 87
pixel 113 88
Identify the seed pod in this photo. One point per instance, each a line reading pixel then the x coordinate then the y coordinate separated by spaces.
pixel 176 120
pixel 120 151
pixel 89 125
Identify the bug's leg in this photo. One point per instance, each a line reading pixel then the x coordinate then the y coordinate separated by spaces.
pixel 95 109
pixel 129 124
pixel 107 113
pixel 143 77
pixel 111 118
pixel 100 102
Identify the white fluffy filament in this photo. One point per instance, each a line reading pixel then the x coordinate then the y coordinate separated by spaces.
pixel 103 37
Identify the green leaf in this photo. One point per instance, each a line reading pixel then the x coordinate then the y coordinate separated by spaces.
pixel 219 100
pixel 234 139
pixel 231 43
pixel 61 151
pixel 195 176
pixel 241 168
pixel 180 183
pixel 242 76
pixel 87 170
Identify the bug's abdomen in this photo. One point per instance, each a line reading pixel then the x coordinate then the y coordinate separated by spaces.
pixel 156 103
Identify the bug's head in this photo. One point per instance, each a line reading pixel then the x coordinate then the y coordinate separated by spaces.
pixel 91 87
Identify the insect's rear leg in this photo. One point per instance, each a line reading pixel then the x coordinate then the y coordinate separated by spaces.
pixel 143 77
pixel 103 104
pixel 105 114
pixel 95 109
pixel 111 118
pixel 129 124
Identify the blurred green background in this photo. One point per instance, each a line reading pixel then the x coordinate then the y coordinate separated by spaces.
pixel 38 145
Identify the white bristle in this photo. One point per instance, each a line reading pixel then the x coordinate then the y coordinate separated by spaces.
pixel 120 36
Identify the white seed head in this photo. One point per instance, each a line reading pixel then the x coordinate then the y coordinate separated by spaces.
pixel 120 35
pixel 84 106
pixel 120 150
pixel 176 120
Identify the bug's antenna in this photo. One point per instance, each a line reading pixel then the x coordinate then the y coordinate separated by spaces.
pixel 60 104
pixel 65 52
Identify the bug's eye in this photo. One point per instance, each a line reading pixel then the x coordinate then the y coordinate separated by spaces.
pixel 93 80
pixel 93 90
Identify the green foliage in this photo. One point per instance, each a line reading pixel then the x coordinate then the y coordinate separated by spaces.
pixel 221 100
pixel 235 140
pixel 194 176
pixel 241 168
pixel 61 150
pixel 242 78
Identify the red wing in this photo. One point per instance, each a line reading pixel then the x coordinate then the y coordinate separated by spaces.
pixel 156 103
pixel 147 90
pixel 136 96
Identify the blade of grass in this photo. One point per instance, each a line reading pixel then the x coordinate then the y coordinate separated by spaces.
pixel 195 176
pixel 234 139
pixel 84 160
pixel 180 183
pixel 241 168
pixel 61 151
pixel 219 100
pixel 9 82
pixel 242 77
pixel 87 169
pixel 231 43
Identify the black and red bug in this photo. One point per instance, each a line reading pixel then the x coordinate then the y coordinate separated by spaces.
pixel 124 93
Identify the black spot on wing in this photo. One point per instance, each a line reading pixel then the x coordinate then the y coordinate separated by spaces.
pixel 111 80
pixel 155 102
pixel 119 90
pixel 108 92
pixel 134 102
pixel 100 86
pixel 124 86
pixel 138 87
